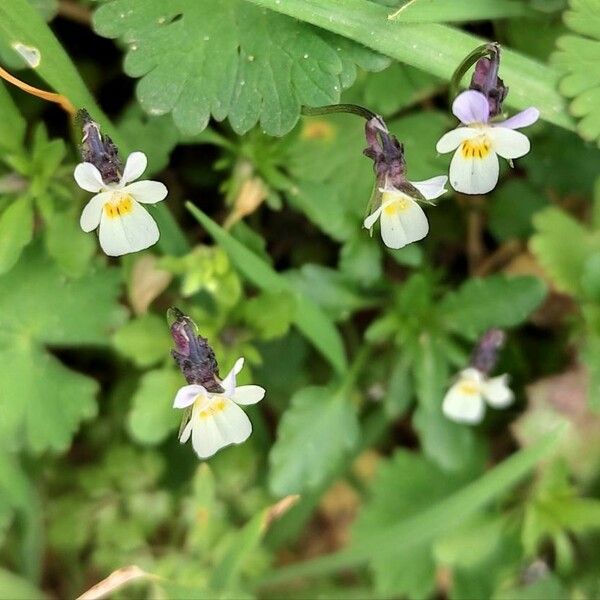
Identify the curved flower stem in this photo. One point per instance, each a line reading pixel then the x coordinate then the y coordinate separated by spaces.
pixel 59 99
pixel 490 50
pixel 353 109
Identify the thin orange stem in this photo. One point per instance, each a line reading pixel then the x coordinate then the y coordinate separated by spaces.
pixel 63 101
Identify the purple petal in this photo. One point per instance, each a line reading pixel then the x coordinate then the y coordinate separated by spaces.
pixel 471 107
pixel 523 119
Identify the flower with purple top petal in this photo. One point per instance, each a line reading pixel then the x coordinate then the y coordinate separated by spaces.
pixel 474 168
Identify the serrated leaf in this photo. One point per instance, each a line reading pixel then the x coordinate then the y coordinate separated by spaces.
pixel 562 245
pixel 152 417
pixel 16 230
pixel 199 58
pixel 578 57
pixel 496 301
pixel 41 401
pixel 314 434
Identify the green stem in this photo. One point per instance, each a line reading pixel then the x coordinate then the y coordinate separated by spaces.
pixel 353 109
pixel 466 64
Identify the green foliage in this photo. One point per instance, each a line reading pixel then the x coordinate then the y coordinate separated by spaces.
pixel 495 301
pixel 576 56
pixel 356 344
pixel 318 429
pixel 39 308
pixel 251 66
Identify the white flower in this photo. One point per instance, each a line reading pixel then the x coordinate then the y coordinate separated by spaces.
pixel 466 399
pixel 474 168
pixel 401 218
pixel 216 419
pixel 125 225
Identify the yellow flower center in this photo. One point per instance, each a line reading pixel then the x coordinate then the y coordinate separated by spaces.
pixel 119 206
pixel 478 147
pixel 468 388
pixel 396 206
pixel 212 409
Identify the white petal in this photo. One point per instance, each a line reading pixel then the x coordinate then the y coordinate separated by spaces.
pixel 187 430
pixel 88 177
pixel 92 211
pixel 130 233
pixel 509 143
pixel 187 395
pixel 453 139
pixel 228 383
pixel 372 218
pixel 233 423
pixel 248 394
pixel 227 424
pixel 134 167
pixel 431 188
pixel 147 192
pixel 497 393
pixel 474 175
pixel 463 407
pixel 403 226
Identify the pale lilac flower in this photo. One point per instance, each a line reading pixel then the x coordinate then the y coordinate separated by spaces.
pixel 217 420
pixel 125 225
pixel 402 220
pixel 474 168
pixel 466 399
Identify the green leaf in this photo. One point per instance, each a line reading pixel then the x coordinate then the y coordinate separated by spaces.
pixel 578 57
pixel 438 519
pixel 152 417
pixel 314 434
pixel 496 301
pixel 562 245
pixel 439 11
pixel 199 58
pixel 404 486
pixel 42 401
pixel 12 124
pixel 435 49
pixel 145 340
pixel 308 318
pixel 16 231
